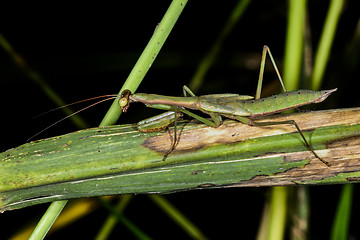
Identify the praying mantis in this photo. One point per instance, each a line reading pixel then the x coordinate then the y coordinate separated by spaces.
pixel 242 108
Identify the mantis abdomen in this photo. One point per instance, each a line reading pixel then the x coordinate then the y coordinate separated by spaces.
pixel 281 102
pixel 284 101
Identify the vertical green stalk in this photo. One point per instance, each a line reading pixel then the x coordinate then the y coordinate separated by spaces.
pixel 47 220
pixel 36 77
pixel 300 212
pixel 264 222
pixel 341 221
pixel 340 229
pixel 278 209
pixel 292 67
pixel 327 38
pixel 141 67
pixel 294 44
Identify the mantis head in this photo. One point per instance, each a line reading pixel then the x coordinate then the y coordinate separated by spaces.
pixel 124 101
pixel 325 94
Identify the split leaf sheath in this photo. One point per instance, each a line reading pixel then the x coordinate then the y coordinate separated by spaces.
pixel 119 159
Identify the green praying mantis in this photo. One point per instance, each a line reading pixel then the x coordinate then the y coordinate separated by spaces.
pixel 242 108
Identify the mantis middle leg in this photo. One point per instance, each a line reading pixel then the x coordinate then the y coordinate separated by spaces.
pixel 266 49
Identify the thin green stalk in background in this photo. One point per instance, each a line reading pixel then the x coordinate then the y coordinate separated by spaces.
pixel 210 57
pixel 294 44
pixel 278 209
pixel 293 68
pixel 293 59
pixel 291 72
pixel 178 217
pixel 326 41
pixel 139 234
pixel 36 77
pixel 47 220
pixel 133 81
pixel 112 220
pixel 341 225
pixel 341 220
pixel 299 210
pixel 264 222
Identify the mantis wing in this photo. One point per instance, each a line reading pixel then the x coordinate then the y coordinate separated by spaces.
pixel 227 96
pixel 223 105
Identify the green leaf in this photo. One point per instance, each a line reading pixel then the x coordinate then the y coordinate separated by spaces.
pixel 119 159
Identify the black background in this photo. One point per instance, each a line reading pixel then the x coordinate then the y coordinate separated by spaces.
pixel 88 50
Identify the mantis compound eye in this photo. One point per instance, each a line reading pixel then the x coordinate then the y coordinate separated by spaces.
pixel 123 102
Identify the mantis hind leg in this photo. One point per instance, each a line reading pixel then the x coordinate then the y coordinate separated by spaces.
pixel 252 123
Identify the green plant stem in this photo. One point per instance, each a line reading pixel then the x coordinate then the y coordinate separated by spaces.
pixel 37 78
pixel 111 221
pixel 326 41
pixel 277 216
pixel 294 44
pixel 340 229
pixel 292 67
pixel 341 221
pixel 47 220
pixel 124 220
pixel 178 217
pixel 299 212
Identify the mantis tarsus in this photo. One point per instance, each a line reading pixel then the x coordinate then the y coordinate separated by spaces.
pixel 238 107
